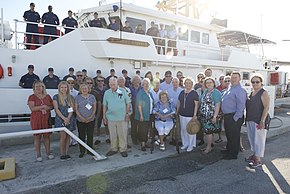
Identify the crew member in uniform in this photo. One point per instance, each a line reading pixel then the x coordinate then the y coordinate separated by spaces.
pixel 69 22
pixel 96 22
pixel 52 19
pixel 31 16
pixel 27 80
pixel 51 81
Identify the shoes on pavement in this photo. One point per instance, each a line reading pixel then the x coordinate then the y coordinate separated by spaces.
pixel 162 147
pixel 50 157
pixel 250 158
pixel 108 141
pixel 157 142
pixel 189 149
pixel 184 147
pixel 124 154
pixel 110 153
pixel 39 159
pixel 255 164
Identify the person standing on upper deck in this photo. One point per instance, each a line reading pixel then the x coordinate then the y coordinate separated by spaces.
pixel 172 36
pixel 31 16
pixel 153 31
pixel 52 19
pixel 161 41
pixel 69 22
pixel 96 22
pixel 127 27
pixel 140 30
pixel 233 105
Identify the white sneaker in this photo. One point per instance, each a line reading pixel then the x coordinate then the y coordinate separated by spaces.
pixel 39 159
pixel 184 147
pixel 162 147
pixel 50 157
pixel 157 142
pixel 189 149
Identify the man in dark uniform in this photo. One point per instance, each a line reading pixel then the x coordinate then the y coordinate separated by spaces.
pixel 112 74
pixel 154 32
pixel 52 19
pixel 31 16
pixel 69 22
pixel 27 80
pixel 70 74
pixel 51 81
pixel 127 78
pixel 127 27
pixel 96 22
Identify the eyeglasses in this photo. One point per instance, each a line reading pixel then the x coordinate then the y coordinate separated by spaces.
pixel 199 77
pixel 227 81
pixel 100 80
pixel 255 82
pixel 89 82
pixel 79 75
pixel 70 82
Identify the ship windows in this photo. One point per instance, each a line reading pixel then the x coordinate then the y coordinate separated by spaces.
pixel 135 22
pixel 205 38
pixel 195 36
pixel 183 34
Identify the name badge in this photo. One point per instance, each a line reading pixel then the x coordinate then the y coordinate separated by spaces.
pixel 88 106
pixel 70 109
pixel 165 110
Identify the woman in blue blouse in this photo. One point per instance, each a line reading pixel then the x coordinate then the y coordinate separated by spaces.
pixel 164 111
pixel 209 111
pixel 143 112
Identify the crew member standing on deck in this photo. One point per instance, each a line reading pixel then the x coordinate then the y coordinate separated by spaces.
pixel 31 16
pixel 52 19
pixel 27 80
pixel 69 22
pixel 96 22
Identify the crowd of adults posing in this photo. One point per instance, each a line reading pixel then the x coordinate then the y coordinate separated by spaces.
pixel 151 105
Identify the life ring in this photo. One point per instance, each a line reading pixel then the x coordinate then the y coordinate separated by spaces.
pixel 1 72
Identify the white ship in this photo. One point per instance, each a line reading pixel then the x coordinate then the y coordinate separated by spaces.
pixel 93 48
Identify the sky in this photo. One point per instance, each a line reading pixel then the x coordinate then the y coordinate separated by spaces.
pixel 268 19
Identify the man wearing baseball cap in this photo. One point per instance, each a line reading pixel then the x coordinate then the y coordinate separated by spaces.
pixel 70 74
pixel 27 80
pixel 51 81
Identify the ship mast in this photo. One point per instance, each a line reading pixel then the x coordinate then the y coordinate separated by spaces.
pixel 187 8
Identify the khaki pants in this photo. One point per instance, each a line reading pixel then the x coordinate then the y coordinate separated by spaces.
pixel 118 135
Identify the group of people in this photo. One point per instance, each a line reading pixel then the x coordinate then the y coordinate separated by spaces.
pixel 151 104
pixel 50 21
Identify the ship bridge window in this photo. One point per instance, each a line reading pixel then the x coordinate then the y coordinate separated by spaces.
pixel 104 23
pixel 135 22
pixel 205 38
pixel 117 19
pixel 195 36
pixel 183 34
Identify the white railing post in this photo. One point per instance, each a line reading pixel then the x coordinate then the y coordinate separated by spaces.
pixel 2 27
pixel 32 132
pixel 16 35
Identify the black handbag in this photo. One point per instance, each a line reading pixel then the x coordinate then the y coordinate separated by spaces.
pixel 51 121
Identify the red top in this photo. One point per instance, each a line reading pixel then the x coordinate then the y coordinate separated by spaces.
pixel 220 88
pixel 37 119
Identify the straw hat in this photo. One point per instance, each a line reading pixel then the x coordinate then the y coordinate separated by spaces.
pixel 193 127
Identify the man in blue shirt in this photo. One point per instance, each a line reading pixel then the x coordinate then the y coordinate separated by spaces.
pixel 69 22
pixel 233 105
pixel 52 19
pixel 51 81
pixel 31 16
pixel 27 80
pixel 96 22
pixel 114 25
pixel 164 86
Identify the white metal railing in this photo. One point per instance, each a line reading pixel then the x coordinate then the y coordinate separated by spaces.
pixel 59 27
pixel 32 132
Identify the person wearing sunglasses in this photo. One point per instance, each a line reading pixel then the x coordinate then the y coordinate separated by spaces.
pixel 164 86
pixel 257 119
pixel 222 84
pixel 79 80
pixel 199 81
pixel 233 105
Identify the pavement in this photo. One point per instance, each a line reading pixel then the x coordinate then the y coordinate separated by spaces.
pixel 163 172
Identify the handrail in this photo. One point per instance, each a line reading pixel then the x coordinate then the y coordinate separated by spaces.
pixel 32 132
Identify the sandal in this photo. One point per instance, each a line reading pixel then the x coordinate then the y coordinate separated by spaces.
pixel 218 141
pixel 206 151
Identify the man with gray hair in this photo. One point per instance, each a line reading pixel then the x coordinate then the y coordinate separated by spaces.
pixel 116 111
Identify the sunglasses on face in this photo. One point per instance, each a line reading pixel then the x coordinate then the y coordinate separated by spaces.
pixel 70 82
pixel 255 82
pixel 199 77
pixel 79 75
pixel 227 81
pixel 89 82
pixel 100 80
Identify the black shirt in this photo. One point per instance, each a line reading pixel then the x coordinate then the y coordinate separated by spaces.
pixel 96 23
pixel 31 16
pixel 27 80
pixel 50 18
pixel 187 104
pixel 127 29
pixel 69 22
pixel 51 82
pixel 67 76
